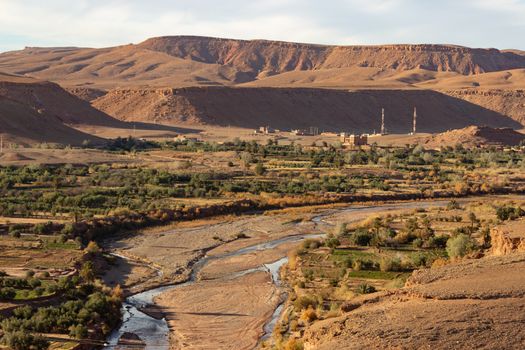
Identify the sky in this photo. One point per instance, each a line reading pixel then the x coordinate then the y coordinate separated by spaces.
pixel 102 23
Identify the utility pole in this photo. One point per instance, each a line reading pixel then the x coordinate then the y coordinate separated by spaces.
pixel 383 131
pixel 414 122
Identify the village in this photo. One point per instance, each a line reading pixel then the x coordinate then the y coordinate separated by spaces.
pixel 347 139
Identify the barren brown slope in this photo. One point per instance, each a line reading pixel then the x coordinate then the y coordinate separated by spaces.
pixel 297 108
pixel 177 61
pixel 21 124
pixel 507 102
pixel 50 98
pixel 128 65
pixel 474 136
pixel 476 304
pixel 507 79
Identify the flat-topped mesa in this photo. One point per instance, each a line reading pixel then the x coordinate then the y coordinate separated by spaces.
pixel 254 56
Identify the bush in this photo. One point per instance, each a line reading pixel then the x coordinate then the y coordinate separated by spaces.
pixel 453 204
pixel 92 248
pixel 7 293
pixel 389 264
pixel 361 237
pixel 78 332
pixel 417 243
pixel 293 344
pixel 309 315
pixel 259 169
pixel 459 246
pixel 311 244
pixel 332 243
pixel 365 288
pixel 15 234
pixel 23 312
pixel 437 242
pixel 304 302
pixel 509 213
pixel 21 340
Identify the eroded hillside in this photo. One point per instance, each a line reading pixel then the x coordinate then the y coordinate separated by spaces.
pixel 296 108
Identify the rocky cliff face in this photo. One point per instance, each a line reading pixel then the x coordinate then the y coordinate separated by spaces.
pixel 256 57
pixel 509 238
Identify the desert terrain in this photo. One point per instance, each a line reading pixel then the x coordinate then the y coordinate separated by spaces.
pixel 143 206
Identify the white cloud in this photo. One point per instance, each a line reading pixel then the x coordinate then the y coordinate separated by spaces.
pixel 99 23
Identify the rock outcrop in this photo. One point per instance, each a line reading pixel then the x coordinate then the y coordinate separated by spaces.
pixel 508 238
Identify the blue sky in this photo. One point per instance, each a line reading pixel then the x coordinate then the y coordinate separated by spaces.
pixel 100 23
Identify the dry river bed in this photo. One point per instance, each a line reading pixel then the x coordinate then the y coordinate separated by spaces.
pixel 228 287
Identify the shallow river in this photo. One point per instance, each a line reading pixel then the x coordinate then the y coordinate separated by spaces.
pixel 155 333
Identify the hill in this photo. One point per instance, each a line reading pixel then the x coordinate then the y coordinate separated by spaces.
pixel 475 136
pixel 468 302
pixel 286 108
pixel 24 125
pixel 177 61
pixel 140 81
pixel 54 100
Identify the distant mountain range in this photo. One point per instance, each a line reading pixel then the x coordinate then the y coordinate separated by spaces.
pixel 182 80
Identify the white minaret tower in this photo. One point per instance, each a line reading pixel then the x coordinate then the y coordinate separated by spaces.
pixel 383 131
pixel 414 122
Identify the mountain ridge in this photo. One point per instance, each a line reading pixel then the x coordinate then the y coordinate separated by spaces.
pixel 176 61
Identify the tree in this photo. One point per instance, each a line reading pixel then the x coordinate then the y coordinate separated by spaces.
pixel 92 248
pixel 260 169
pixel 78 332
pixel 473 220
pixel 459 246
pixel 87 272
pixel 21 340
pixel 117 292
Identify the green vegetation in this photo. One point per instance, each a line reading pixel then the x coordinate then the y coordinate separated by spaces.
pixel 459 246
pixel 82 305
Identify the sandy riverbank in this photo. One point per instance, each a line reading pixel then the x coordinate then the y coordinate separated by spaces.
pixel 220 314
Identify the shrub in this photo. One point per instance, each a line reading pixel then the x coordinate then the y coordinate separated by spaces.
pixel 361 237
pixel 309 315
pixel 509 213
pixel 304 302
pixel 7 293
pixel 389 264
pixel 332 242
pixel 311 244
pixel 293 344
pixel 365 288
pixel 459 246
pixel 417 243
pixel 453 204
pixel 419 260
pixel 92 248
pixel 78 332
pixel 15 234
pixel 437 241
pixel 260 169
pixel 21 340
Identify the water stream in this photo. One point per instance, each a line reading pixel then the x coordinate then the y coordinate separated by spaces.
pixel 155 332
